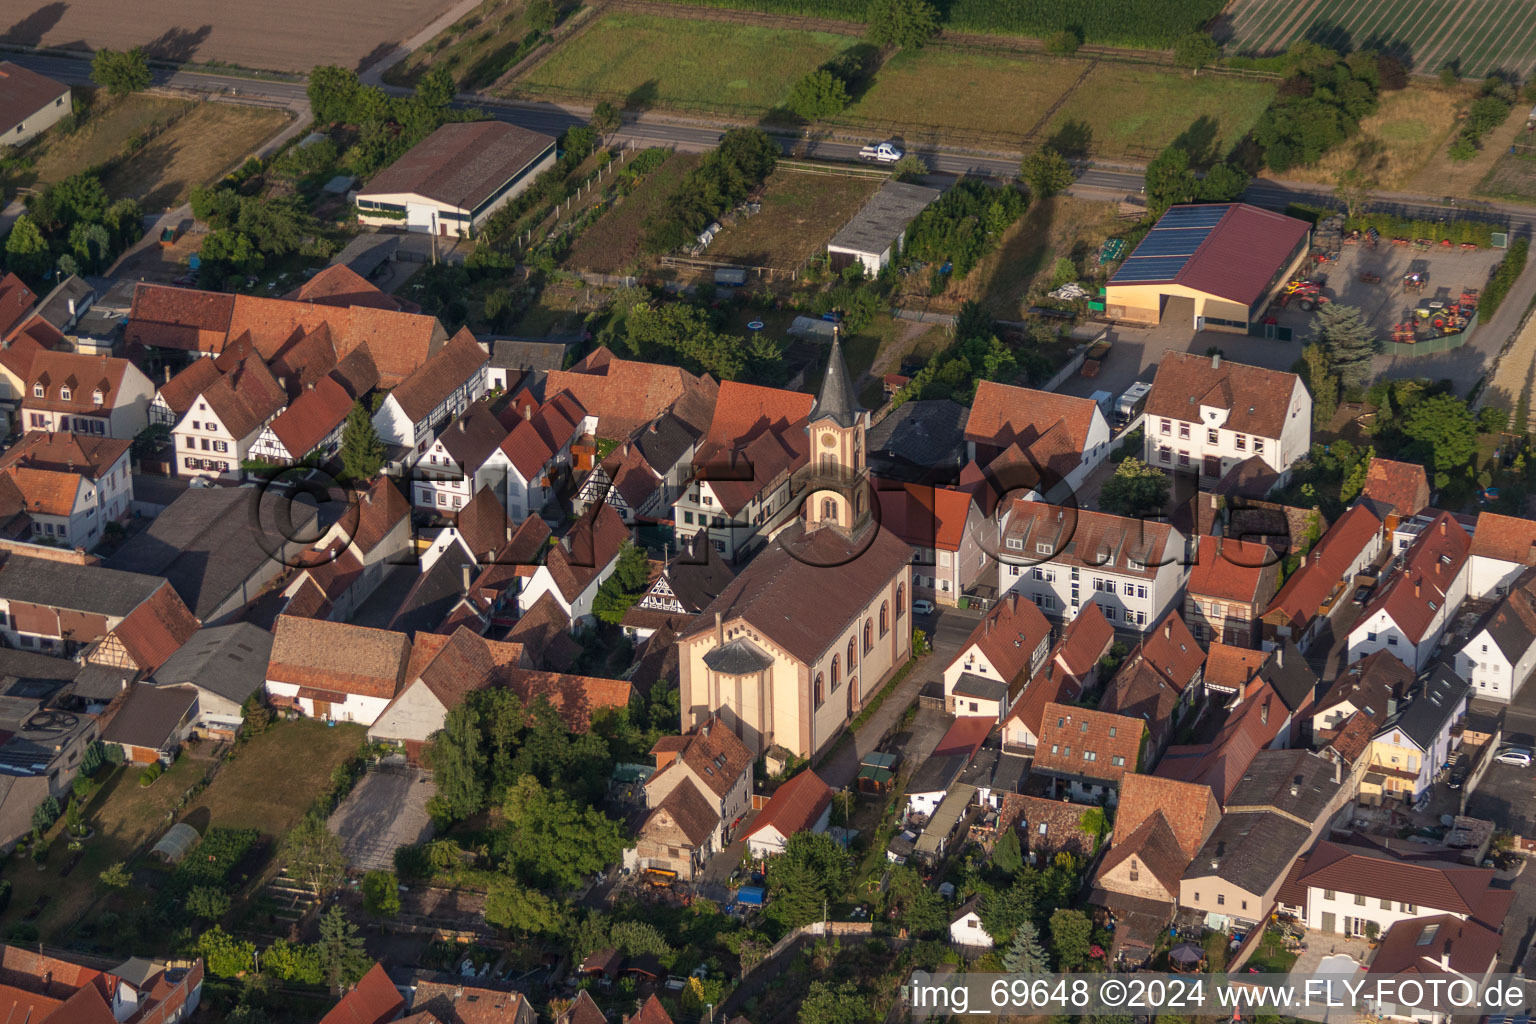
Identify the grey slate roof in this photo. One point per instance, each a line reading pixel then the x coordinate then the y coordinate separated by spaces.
pixel 884 217
pixel 1251 850
pixel 1288 672
pixel 1431 708
pixel 836 400
pixel 29 668
pixel 99 683
pixel 113 591
pixel 211 540
pixel 665 442
pixel 462 163
pixel 926 435
pixel 936 774
pixel 528 355
pixel 1295 782
pixel 435 593
pixel 696 581
pixel 230 661
pixel 54 306
pixel 972 685
pixel 1011 772
pixel 738 657
pixel 149 715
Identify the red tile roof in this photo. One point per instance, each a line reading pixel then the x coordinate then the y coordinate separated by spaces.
pixel 737 475
pixel 453 1002
pixel 795 806
pixel 1188 807
pixel 1506 538
pixel 1002 414
pixel 179 318
pixel 926 516
pixel 624 395
pixel 1234 570
pixel 1257 400
pixel 85 454
pixel 651 1013
pixel 156 629
pixel 743 411
pixel 1232 668
pixel 1171 648
pixel 1075 731
pixel 1310 585
pixel 19 351
pixel 182 390
pixel 1078 537
pixel 1221 763
pixel 82 374
pixel 1442 944
pixel 1415 595
pixel 16 300
pixel 437 378
pixel 574 697
pixel 535 437
pixel 1153 843
pixel 714 753
pixel 340 285
pixel 1401 486
pixel 374 1000
pixel 1008 636
pixel 964 736
pixel 378 511
pixel 312 417
pixel 1377 874
pixel 246 396
pixel 587 549
pixel 338 656
pixel 1242 255
pixel 1084 641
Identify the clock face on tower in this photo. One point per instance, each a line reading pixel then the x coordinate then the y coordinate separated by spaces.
pixel 828 441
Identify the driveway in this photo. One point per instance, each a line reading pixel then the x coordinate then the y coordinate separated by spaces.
pixel 386 810
pixel 1138 350
pixel 1506 795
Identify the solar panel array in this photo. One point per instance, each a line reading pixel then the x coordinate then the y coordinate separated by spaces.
pixel 1168 246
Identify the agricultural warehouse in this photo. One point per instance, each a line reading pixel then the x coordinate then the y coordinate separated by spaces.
pixel 451 181
pixel 1215 266
pixel 877 231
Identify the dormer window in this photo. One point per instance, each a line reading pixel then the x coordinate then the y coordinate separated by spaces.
pixel 97 398
pixel 65 393
pixel 38 391
pixel 1016 543
pixel 1135 565
pixel 1044 549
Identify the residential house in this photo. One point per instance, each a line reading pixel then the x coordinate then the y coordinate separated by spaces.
pixel 920 442
pixel 100 395
pixel 1411 746
pixel 58 607
pixel 1036 440
pixel 1362 889
pixel 146 637
pixel 373 1000
pixel 1230 670
pixel 1323 579
pixel 947 531
pixel 1395 490
pixel 1286 673
pixel 450 182
pixel 1205 415
pixel 43 989
pixel 1414 607
pixel 1157 683
pixel 643 476
pixel 453 1002
pixel 545 633
pixel 456 465
pixel 583 1010
pixel 701 788
pixel 417 410
pixel 30 103
pixel 576 567
pixel 220 547
pixel 1047 827
pixel 744 468
pixel 44 741
pixel 803 804
pixel 335 671
pixel 226 666
pixel 311 425
pixel 536 452
pixel 1501 653
pixel 518 361
pixel 1231 584
pixel 376 530
pixel 1060 558
pixel 479 530
pixel 1283 802
pixel 1374 686
pixel 1255 723
pixel 621 396
pixel 1409 530
pixel 682 588
pixel 72 485
pixel 965 927
pixel 491 598
pixel 1005 650
pixel 956 750
pixel 1502 548
pixel 150 723
pixel 1087 752
pixel 340 285
pixel 223 423
pixel 1443 945
pixel 1071 670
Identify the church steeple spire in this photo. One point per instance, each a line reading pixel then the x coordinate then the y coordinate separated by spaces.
pixel 836 400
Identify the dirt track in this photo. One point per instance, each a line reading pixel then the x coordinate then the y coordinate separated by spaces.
pixel 278 35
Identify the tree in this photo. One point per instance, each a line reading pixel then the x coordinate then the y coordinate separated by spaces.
pixel 1354 191
pixel 528 911
pixel 1170 180
pixel 541 15
pixel 1195 50
pixel 1463 149
pixel 1493 420
pixel 362 450
pixel 333 93
pixel 919 909
pixel 1024 955
pixel 1006 855
pixel 91 244
pixel 1135 490
pixel 121 72
pixel 1223 183
pixel 909 168
pixel 552 841
pixel 208 902
pixel 1046 172
pixel 1003 910
pixel 116 876
pixel 312 855
pixel 437 88
pixel 1063 43
pixel 457 760
pixel 1071 932
pixel 1322 383
pixel 246 1013
pixel 827 1003
pixel 1445 432
pixel 26 250
pixel 341 949
pixel 605 119
pixel 636 938
pixel 624 587
pixel 811 872
pixel 381 893
pixel 1351 342
pixel 224 955
pixel 293 961
pixel 817 95
pixel 902 22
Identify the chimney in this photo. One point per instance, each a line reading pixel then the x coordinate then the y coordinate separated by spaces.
pixel 466 573
pixel 368 497
pixel 653 427
pixel 1415 588
pixel 1215 360
pixel 461 424
pixel 1280 657
pixel 1336 777
pixel 1264 712
pixel 719 630
pixel 71 307
pixel 527 412
pixel 1303 563
pixel 1442 526
pixel 1168 630
pixel 986 626
pixel 282 382
pixel 167 374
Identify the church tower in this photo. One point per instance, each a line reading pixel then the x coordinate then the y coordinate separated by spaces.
pixel 836 426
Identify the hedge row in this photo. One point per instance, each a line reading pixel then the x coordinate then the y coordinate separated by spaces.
pixel 1459 231
pixel 1503 278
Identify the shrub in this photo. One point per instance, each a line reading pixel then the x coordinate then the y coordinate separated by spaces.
pixel 1504 277
pixel 148 776
pixel 381 894
pixel 1063 43
pixel 46 813
pixel 412 862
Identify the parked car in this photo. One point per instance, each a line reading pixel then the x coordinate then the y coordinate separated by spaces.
pixel 1517 756
pixel 922 607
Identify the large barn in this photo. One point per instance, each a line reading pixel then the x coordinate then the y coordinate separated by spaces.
pixel 1215 267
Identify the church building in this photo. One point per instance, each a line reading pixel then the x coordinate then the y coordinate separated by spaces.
pixel 811 629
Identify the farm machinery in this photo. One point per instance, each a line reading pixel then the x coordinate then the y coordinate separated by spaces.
pixel 1437 318
pixel 1307 294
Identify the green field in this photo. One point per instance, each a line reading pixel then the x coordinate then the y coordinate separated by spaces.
pixel 1479 38
pixel 641 60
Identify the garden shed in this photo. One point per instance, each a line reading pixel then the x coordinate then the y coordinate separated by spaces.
pixel 177 841
pixel 877 231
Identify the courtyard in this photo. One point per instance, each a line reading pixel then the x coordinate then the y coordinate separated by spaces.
pixel 386 810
